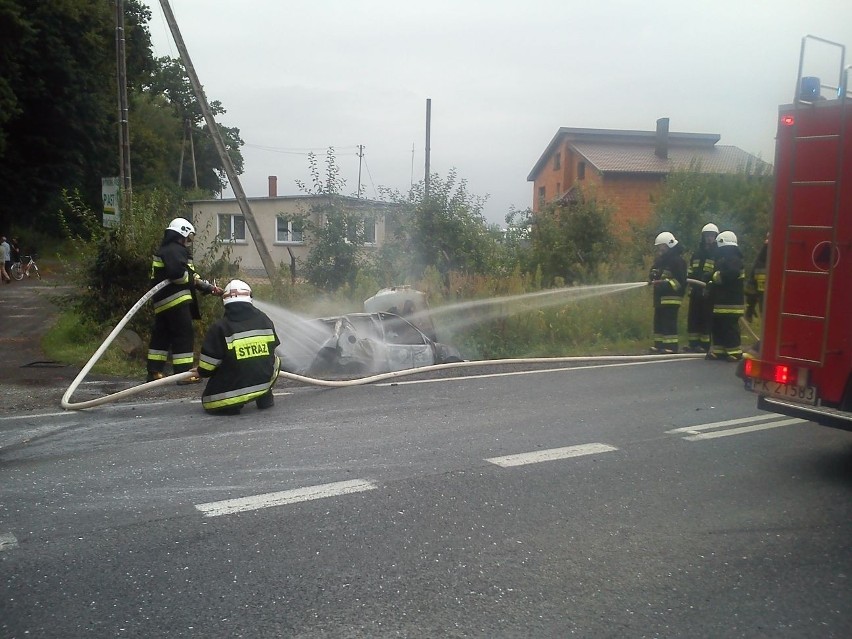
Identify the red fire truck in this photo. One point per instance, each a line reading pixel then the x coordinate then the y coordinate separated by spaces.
pixel 804 366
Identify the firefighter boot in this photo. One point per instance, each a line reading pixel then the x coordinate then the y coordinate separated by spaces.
pixel 265 401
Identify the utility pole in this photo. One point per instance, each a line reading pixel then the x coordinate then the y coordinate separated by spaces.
pixel 123 117
pixel 428 148
pixel 360 157
pixel 215 134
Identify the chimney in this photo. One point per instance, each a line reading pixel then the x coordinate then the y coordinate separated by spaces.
pixel 273 186
pixel 662 148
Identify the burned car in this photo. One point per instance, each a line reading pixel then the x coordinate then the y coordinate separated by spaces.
pixel 394 333
pixel 371 343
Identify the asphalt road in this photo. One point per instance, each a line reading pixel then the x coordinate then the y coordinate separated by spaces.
pixel 648 500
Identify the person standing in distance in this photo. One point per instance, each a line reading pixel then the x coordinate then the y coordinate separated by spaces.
pixel 726 292
pixel 668 277
pixel 755 284
pixel 6 258
pixel 175 305
pixel 701 268
pixel 238 355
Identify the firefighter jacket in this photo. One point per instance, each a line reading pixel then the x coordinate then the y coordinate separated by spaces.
pixel 702 265
pixel 726 287
pixel 755 284
pixel 670 269
pixel 172 262
pixel 238 355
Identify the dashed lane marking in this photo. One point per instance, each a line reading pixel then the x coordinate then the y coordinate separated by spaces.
pixel 745 429
pixel 693 430
pixel 8 541
pixel 551 454
pixel 268 500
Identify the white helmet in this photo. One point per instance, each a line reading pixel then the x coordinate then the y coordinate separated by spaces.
pixel 710 228
pixel 182 226
pixel 726 238
pixel 236 291
pixel 665 238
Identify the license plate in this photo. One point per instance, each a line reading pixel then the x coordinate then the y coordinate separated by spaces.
pixel 801 394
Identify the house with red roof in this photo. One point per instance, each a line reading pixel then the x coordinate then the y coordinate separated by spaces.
pixel 624 168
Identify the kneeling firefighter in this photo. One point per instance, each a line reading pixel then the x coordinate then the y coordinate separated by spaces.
pixel 238 355
pixel 175 305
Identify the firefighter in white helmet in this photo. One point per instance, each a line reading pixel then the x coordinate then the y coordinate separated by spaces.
pixel 725 290
pixel 238 355
pixel 175 305
pixel 701 268
pixel 668 277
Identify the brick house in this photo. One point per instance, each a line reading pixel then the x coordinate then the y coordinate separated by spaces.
pixel 624 169
pixel 280 221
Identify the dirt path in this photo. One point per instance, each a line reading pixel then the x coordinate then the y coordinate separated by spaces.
pixel 29 380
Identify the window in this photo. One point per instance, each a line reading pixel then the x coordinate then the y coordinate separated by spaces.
pixel 557 161
pixel 366 226
pixel 581 170
pixel 541 194
pixel 558 188
pixel 288 230
pixel 232 228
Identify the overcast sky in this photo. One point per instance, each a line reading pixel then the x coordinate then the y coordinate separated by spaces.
pixel 302 75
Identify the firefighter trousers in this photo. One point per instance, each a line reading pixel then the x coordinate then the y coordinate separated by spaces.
pixel 726 335
pixel 699 320
pixel 173 333
pixel 665 327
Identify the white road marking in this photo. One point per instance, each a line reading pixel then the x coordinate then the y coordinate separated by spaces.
pixel 8 541
pixel 744 429
pixel 728 422
pixel 548 455
pixel 563 369
pixel 268 500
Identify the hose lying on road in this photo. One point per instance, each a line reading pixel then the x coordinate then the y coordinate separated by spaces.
pixel 134 390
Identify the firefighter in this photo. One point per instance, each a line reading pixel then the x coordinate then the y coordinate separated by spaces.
pixel 175 305
pixel 755 284
pixel 238 355
pixel 668 277
pixel 725 290
pixel 701 268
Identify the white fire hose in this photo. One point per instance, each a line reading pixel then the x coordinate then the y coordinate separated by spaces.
pixel 134 390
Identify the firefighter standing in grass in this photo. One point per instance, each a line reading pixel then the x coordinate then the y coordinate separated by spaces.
pixel 725 290
pixel 175 305
pixel 668 277
pixel 755 284
pixel 238 355
pixel 701 268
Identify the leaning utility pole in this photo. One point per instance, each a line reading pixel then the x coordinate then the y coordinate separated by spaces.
pixel 265 257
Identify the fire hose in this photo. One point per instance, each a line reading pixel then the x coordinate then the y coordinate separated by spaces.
pixel 139 388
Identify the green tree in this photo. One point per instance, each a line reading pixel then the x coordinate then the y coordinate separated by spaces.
pixel 568 241
pixel 337 252
pixel 739 202
pixel 445 231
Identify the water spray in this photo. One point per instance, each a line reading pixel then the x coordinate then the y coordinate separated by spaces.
pixel 583 293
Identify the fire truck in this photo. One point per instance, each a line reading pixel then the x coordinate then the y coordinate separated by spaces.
pixel 804 364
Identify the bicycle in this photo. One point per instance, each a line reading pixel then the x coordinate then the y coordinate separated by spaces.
pixel 18 269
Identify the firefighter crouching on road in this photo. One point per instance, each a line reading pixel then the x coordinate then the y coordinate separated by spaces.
pixel 755 284
pixel 701 268
pixel 175 305
pixel 725 291
pixel 668 277
pixel 238 355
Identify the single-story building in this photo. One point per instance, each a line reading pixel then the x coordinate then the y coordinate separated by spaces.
pixel 281 219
